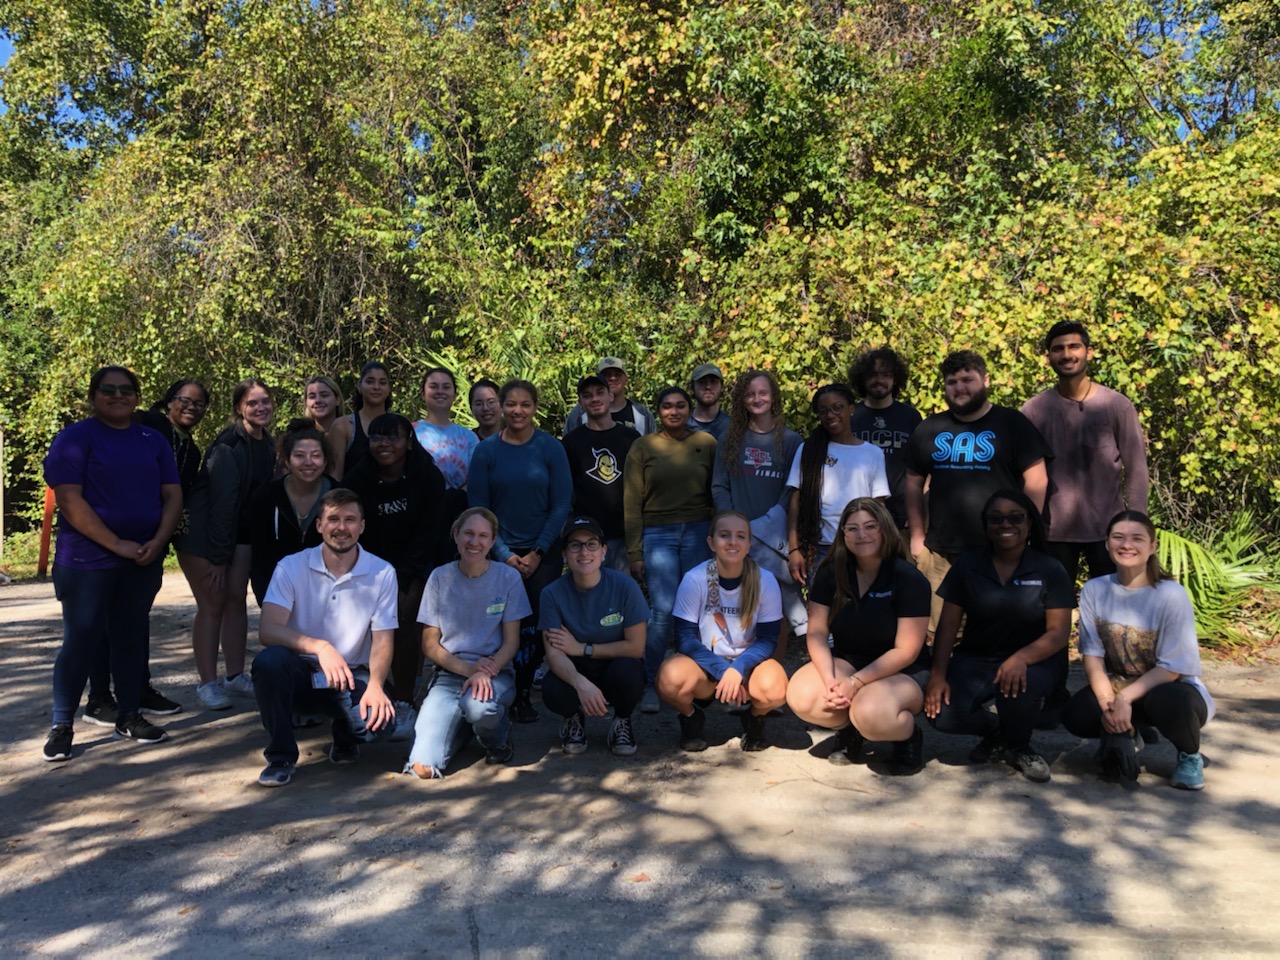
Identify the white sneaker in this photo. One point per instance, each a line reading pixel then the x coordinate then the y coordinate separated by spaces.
pixel 406 717
pixel 212 696
pixel 241 685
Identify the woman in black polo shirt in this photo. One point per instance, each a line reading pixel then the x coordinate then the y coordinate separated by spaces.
pixel 875 606
pixel 1016 602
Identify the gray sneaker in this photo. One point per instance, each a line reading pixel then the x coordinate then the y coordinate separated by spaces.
pixel 1031 765
pixel 276 774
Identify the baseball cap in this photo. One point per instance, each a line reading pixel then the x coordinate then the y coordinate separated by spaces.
pixel 610 363
pixel 591 381
pixel 582 522
pixel 706 370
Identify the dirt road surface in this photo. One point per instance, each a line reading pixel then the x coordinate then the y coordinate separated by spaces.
pixel 174 851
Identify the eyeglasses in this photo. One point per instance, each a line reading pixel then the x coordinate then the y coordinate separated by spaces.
pixel 853 529
pixel 188 403
pixel 1003 519
pixel 580 546
pixel 123 389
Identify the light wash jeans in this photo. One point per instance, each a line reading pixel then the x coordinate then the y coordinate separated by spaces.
pixel 670 551
pixel 447 719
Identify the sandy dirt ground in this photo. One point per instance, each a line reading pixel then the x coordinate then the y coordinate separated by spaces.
pixel 174 851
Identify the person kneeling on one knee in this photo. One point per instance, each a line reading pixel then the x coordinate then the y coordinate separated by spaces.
pixel 875 606
pixel 327 623
pixel 728 613
pixel 470 615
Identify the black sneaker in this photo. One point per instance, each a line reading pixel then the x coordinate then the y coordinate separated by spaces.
pixel 753 740
pixel 134 726
pixel 573 734
pixel 622 740
pixel 58 746
pixel 157 704
pixel 987 750
pixel 908 755
pixel 343 756
pixel 522 710
pixel 1031 765
pixel 277 773
pixel 101 710
pixel 496 756
pixel 849 744
pixel 691 727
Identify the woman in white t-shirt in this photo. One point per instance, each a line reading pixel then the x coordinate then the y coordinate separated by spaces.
pixel 831 468
pixel 470 615
pixel 727 616
pixel 1141 657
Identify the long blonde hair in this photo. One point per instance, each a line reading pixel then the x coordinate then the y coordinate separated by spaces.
pixel 749 598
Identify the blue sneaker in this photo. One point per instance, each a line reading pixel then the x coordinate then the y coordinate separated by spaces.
pixel 1189 773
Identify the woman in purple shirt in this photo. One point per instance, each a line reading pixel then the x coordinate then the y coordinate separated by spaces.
pixel 119 499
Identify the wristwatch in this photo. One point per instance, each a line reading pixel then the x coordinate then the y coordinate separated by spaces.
pixel 588 649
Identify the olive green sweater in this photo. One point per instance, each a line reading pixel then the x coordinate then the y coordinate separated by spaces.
pixel 666 481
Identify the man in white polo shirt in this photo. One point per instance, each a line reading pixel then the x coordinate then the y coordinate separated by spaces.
pixel 328 623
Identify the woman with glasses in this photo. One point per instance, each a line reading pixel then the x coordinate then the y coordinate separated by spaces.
pixel 119 499
pixel 868 681
pixel 323 403
pixel 831 468
pixel 522 475
pixel 1015 602
pixel 175 416
pixel 218 543
pixel 593 622
pixel 402 491
pixel 485 406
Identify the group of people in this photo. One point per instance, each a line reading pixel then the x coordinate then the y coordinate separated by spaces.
pixel 643 558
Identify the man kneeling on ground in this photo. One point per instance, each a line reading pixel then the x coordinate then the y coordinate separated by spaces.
pixel 328 623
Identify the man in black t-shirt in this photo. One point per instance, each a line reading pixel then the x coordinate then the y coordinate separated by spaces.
pixel 879 376
pixel 597 451
pixel 967 453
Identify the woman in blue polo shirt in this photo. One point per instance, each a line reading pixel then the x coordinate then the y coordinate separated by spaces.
pixel 875 606
pixel 1016 604
pixel 593 619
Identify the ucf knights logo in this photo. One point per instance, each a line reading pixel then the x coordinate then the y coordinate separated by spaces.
pixel 606 469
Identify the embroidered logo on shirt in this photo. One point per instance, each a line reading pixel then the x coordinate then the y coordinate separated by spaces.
pixel 880 596
pixel 611 620
pixel 1028 583
pixel 606 466
pixel 495 608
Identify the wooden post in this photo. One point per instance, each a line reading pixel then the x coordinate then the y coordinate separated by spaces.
pixel 46 534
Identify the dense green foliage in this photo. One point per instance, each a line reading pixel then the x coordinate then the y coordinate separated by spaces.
pixel 291 187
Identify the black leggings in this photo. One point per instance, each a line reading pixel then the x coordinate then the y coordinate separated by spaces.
pixel 531 653
pixel 1176 709
pixel 621 680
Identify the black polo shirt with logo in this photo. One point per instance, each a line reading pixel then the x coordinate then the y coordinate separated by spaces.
pixel 866 628
pixel 1001 619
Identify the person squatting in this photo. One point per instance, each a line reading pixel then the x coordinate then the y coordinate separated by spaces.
pixel 927 565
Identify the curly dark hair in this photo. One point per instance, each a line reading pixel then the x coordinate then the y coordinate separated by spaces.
pixel 865 366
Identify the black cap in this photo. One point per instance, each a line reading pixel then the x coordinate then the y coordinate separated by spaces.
pixel 582 522
pixel 591 381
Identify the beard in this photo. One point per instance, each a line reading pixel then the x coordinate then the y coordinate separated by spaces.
pixel 972 405
pixel 346 548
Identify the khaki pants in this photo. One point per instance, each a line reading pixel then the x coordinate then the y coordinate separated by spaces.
pixel 934 566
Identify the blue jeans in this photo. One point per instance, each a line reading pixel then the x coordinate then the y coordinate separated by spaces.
pixel 282 687
pixel 670 551
pixel 448 718
pixel 103 609
pixel 973 685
